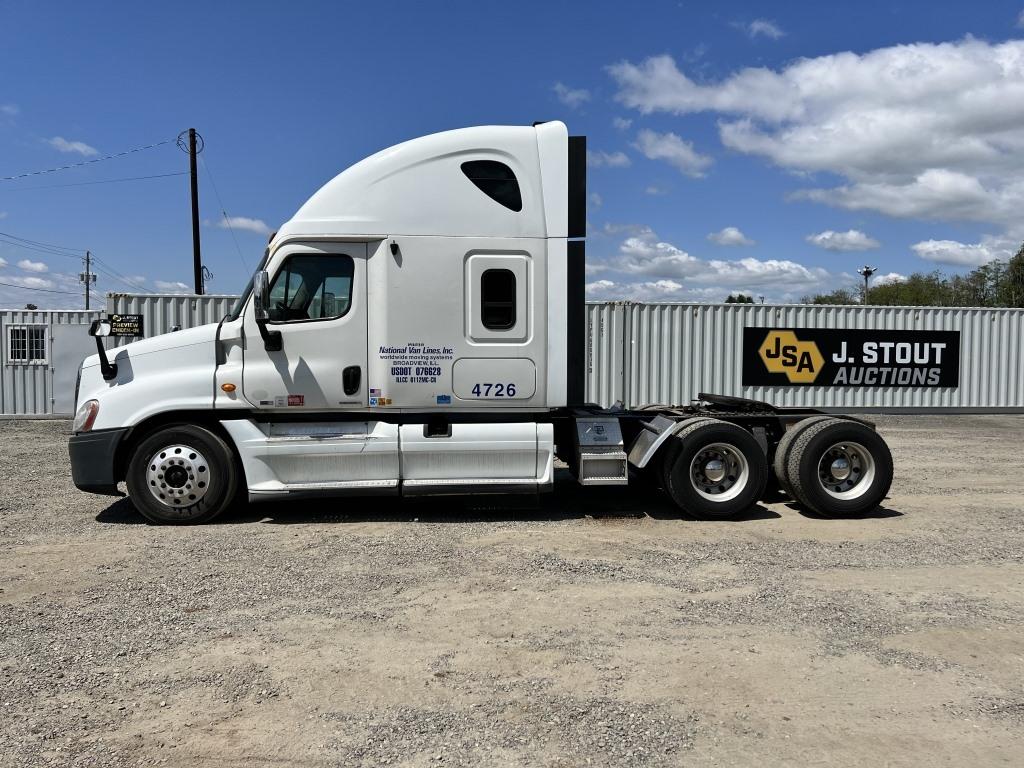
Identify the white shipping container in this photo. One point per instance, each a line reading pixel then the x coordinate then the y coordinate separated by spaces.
pixel 666 353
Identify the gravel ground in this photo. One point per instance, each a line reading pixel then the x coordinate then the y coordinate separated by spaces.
pixel 596 629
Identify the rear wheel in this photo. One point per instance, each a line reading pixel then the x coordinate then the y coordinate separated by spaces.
pixel 715 470
pixel 783 449
pixel 182 474
pixel 840 468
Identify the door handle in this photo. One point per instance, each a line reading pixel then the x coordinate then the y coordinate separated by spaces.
pixel 350 378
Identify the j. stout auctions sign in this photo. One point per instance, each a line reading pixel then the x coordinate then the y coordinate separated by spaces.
pixel 825 357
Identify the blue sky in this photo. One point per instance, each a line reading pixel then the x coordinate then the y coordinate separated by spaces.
pixel 765 147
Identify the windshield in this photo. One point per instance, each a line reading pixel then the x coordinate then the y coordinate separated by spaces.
pixel 236 310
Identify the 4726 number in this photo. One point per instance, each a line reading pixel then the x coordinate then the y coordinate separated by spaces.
pixel 494 390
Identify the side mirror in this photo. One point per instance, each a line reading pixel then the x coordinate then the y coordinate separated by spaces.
pixel 261 295
pixel 99 328
pixel 261 310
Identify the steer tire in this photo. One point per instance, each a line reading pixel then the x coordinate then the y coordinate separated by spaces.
pixel 746 470
pixel 191 467
pixel 869 470
pixel 782 451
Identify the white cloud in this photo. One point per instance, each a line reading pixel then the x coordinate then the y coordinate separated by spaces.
pixel 850 240
pixel 165 286
pixel 9 110
pixel 667 272
pixel 3 262
pixel 622 123
pixel 29 282
pixel 571 97
pixel 1020 20
pixel 32 266
pixel 596 200
pixel 3 215
pixel 926 130
pixel 764 28
pixel 600 159
pixel 959 254
pixel 654 189
pixel 599 286
pixel 891 277
pixel 729 236
pixel 78 147
pixel 673 150
pixel 244 222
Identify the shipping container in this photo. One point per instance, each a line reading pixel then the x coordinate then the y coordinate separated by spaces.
pixel 666 353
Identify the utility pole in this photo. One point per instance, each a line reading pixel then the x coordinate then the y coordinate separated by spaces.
pixel 87 277
pixel 867 272
pixel 197 266
pixel 191 147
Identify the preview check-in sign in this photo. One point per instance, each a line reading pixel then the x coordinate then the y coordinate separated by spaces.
pixel 827 357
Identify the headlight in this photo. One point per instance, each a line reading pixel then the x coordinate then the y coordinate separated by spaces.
pixel 86 416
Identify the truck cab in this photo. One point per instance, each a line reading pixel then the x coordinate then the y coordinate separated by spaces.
pixel 417 327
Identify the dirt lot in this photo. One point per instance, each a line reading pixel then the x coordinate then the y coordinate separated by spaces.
pixel 599 629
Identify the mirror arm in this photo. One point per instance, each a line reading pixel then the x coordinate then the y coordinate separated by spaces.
pixel 108 369
pixel 271 339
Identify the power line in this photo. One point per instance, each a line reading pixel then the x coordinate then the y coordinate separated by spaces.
pixel 85 162
pixel 109 271
pixel 227 219
pixel 39 244
pixel 44 290
pixel 103 181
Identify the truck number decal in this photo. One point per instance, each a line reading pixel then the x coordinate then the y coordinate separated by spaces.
pixel 494 390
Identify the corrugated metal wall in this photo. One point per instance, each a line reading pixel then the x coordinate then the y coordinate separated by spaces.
pixel 667 353
pixel 162 312
pixel 28 388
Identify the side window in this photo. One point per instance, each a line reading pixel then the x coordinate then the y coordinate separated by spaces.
pixel 496 180
pixel 312 287
pixel 26 344
pixel 498 299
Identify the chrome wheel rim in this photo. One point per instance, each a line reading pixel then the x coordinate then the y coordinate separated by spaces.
pixel 178 476
pixel 719 472
pixel 846 471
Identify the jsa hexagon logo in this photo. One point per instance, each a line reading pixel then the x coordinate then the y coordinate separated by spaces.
pixel 783 352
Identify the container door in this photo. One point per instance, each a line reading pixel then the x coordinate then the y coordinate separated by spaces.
pixel 318 305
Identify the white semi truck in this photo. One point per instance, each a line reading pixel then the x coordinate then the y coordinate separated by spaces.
pixel 418 328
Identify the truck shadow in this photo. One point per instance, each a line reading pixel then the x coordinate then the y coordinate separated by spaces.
pixel 568 501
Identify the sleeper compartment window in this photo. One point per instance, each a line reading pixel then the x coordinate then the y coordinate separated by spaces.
pixel 498 299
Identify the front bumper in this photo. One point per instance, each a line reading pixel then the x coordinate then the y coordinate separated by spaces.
pixel 92 460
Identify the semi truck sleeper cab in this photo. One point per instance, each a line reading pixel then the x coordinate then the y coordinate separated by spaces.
pixel 418 328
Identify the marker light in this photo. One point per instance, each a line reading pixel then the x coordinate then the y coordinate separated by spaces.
pixel 228 387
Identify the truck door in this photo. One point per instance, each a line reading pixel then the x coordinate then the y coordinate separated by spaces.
pixel 318 304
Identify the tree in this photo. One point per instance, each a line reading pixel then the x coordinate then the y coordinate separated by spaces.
pixel 739 298
pixel 838 296
pixel 995 284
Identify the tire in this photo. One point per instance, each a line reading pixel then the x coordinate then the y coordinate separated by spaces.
pixel 704 495
pixel 668 453
pixel 190 467
pixel 815 477
pixel 782 451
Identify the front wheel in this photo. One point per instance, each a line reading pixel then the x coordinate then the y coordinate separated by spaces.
pixel 182 474
pixel 715 470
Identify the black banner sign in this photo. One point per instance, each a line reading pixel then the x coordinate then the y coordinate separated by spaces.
pixel 126 325
pixel 827 357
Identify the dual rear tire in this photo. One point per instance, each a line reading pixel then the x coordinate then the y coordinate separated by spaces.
pixel 834 467
pixel 713 469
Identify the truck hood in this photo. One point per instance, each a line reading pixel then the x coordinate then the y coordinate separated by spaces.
pixel 203 334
